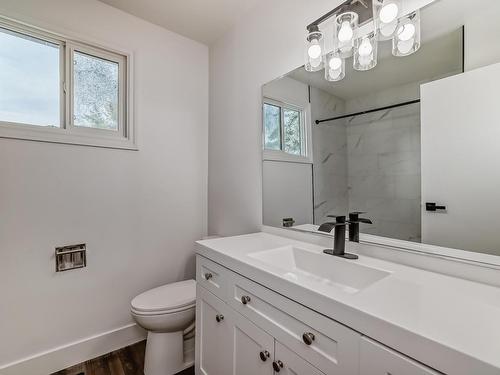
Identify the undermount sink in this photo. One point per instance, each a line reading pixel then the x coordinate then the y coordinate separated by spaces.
pixel 302 264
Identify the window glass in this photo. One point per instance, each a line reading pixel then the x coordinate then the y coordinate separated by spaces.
pixel 95 92
pixel 30 80
pixel 272 127
pixel 292 132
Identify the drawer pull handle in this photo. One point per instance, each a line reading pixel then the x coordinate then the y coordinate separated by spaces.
pixel 264 355
pixel 277 365
pixel 308 338
pixel 219 318
pixel 208 276
pixel 245 299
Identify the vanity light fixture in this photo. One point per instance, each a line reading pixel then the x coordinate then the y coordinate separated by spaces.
pixel 386 15
pixel 359 25
pixel 335 67
pixel 315 49
pixel 346 25
pixel 365 55
pixel 406 41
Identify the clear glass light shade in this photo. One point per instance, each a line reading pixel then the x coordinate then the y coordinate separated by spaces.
pixel 387 13
pixel 346 25
pixel 334 67
pixel 366 52
pixel 314 51
pixel 406 40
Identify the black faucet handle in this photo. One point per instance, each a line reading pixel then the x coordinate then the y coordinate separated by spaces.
pixel 355 219
pixel 338 218
pixel 337 224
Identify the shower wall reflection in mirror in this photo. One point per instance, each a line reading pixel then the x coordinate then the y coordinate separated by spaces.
pixel 420 142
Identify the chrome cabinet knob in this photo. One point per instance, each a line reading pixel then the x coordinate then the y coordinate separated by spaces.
pixel 219 318
pixel 245 299
pixel 264 355
pixel 277 366
pixel 308 338
pixel 208 276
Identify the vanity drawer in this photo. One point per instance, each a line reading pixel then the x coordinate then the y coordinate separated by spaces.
pixel 376 359
pixel 212 277
pixel 330 346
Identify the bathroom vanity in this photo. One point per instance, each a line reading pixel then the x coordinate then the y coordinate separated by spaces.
pixel 270 304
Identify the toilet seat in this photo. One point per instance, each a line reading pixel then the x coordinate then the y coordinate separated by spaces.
pixel 166 299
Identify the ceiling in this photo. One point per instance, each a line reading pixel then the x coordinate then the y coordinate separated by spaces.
pixel 201 20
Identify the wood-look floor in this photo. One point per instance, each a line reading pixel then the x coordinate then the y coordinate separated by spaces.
pixel 126 361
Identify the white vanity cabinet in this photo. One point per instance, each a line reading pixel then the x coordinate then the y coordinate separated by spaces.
pixel 376 359
pixel 292 363
pixel 213 334
pixel 244 328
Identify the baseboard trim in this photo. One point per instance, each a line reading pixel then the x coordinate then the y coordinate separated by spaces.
pixel 65 356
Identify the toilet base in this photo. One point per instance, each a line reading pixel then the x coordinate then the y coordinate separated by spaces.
pixel 165 354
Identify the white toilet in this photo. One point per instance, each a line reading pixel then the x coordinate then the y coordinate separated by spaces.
pixel 167 313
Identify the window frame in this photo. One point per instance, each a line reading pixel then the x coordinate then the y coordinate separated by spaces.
pixel 67 133
pixel 282 155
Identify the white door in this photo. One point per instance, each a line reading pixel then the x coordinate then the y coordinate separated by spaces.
pixel 253 348
pixel 289 363
pixel 214 349
pixel 460 155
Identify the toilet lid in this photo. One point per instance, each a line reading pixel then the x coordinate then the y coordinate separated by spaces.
pixel 166 297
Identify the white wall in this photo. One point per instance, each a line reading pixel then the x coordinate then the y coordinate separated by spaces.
pixel 287 186
pixel 138 212
pixel 287 192
pixel 266 44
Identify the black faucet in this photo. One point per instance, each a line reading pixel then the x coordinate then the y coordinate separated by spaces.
pixel 354 221
pixel 338 238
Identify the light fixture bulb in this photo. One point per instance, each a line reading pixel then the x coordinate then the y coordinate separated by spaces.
pixel 335 63
pixel 315 63
pixel 335 73
pixel 405 46
pixel 388 29
pixel 314 50
pixel 406 32
pixel 366 48
pixel 365 60
pixel 389 13
pixel 345 33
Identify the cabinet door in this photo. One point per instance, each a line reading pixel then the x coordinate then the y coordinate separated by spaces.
pixel 289 363
pixel 214 349
pixel 376 359
pixel 253 348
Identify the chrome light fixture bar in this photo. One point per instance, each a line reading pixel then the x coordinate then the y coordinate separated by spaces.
pixel 359 25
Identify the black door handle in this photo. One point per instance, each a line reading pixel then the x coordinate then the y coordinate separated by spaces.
pixel 433 207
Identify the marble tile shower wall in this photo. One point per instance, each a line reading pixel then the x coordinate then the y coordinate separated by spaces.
pixel 384 171
pixel 369 163
pixel 330 157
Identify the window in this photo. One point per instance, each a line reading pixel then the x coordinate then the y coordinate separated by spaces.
pixel 285 131
pixel 95 92
pixel 29 80
pixel 55 89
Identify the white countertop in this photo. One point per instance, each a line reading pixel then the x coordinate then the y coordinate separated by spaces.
pixel 450 324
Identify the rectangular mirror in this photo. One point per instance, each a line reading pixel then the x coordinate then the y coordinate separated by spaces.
pixel 411 143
